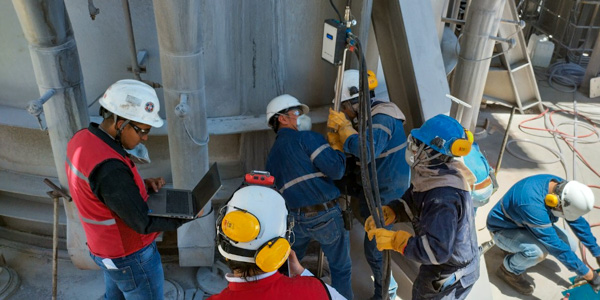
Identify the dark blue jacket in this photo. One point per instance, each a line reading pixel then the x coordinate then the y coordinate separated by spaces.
pixel 445 239
pixel 304 166
pixel 389 139
pixel 525 209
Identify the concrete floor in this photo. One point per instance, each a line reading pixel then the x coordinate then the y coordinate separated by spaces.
pixel 550 276
pixel 34 266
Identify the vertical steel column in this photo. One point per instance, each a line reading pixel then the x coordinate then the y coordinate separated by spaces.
pixel 55 59
pixel 476 49
pixel 181 58
pixel 411 58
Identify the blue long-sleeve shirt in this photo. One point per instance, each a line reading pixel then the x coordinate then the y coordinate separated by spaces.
pixel 389 139
pixel 304 166
pixel 524 208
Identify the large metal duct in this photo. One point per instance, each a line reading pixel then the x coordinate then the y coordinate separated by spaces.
pixel 476 47
pixel 55 59
pixel 181 58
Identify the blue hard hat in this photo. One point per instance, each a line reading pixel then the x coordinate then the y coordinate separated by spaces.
pixel 439 133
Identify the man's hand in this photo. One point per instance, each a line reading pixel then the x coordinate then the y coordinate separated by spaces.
pixel 337 119
pixel 595 282
pixel 388 217
pixel 338 122
pixel 295 267
pixel 390 240
pixel 154 184
pixel 334 141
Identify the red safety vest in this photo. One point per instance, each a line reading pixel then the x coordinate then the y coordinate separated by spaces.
pixel 276 287
pixel 107 235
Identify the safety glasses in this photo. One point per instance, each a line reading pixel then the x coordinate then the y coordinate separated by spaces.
pixel 141 132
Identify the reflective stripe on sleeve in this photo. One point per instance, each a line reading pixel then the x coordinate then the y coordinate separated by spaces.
pixel 300 179
pixel 318 151
pixel 407 209
pixel 379 126
pixel 393 150
pixel 428 250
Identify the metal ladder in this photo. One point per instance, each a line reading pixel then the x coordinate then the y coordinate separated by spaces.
pixel 512 83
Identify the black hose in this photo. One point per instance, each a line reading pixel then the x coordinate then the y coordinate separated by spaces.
pixel 336 10
pixel 369 177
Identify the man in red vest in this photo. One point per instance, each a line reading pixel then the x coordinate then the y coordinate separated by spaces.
pixel 111 195
pixel 252 235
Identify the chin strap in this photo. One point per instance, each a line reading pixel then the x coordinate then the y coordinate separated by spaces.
pixel 119 130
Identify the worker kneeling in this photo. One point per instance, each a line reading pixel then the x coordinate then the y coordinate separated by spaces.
pixel 522 223
pixel 252 234
pixel 439 206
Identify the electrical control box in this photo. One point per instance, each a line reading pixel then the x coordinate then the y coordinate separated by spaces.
pixel 334 41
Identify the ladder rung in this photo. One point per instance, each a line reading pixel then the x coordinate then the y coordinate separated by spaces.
pixel 519 65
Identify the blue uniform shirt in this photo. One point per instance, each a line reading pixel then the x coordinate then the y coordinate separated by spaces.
pixel 304 166
pixel 389 139
pixel 524 208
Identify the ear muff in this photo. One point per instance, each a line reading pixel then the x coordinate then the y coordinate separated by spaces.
pixel 240 226
pixel 551 200
pixel 272 254
pixel 462 147
pixel 372 80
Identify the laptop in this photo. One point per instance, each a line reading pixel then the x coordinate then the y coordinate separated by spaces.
pixel 185 204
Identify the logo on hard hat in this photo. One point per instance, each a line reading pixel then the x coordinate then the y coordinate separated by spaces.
pixel 149 107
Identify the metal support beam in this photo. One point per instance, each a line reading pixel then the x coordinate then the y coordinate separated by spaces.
pixel 476 49
pixel 55 59
pixel 181 58
pixel 411 58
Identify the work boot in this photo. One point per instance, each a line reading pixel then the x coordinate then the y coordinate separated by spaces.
pixel 517 282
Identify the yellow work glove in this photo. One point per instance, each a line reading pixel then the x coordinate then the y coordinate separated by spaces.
pixel 388 217
pixel 390 240
pixel 338 122
pixel 334 140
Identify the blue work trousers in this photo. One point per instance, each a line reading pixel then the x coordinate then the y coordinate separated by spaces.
pixel 327 228
pixel 138 276
pixel 526 250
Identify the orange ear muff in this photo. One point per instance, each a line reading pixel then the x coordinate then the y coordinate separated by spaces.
pixel 551 200
pixel 460 147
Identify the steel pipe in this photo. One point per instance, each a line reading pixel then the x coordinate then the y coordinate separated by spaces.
pixel 476 48
pixel 56 65
pixel 182 67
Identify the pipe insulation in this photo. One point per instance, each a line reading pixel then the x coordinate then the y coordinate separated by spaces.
pixel 56 65
pixel 182 67
pixel 476 47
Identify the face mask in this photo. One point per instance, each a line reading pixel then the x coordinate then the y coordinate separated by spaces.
pixel 139 154
pixel 303 123
pixel 409 152
pixel 409 157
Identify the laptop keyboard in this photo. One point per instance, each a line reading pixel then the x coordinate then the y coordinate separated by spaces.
pixel 177 202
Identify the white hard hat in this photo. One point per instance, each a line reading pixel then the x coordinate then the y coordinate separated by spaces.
pixel 253 217
pixel 351 79
pixel 133 100
pixel 576 199
pixel 282 102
